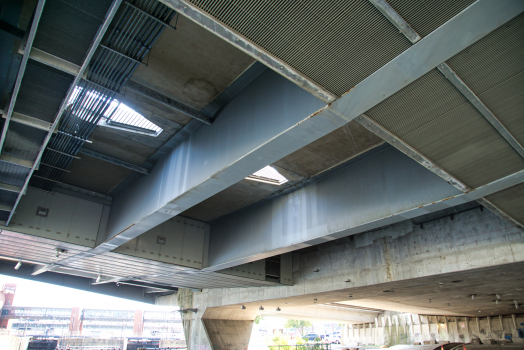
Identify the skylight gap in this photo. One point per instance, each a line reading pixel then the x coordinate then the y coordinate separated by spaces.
pixel 118 115
pixel 268 175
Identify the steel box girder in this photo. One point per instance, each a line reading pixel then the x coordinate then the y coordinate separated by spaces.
pixel 272 118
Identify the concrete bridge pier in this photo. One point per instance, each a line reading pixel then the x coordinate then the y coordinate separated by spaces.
pixel 373 280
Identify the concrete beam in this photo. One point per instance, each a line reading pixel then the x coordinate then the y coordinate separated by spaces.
pixel 465 246
pixel 272 118
pixel 326 313
pixel 168 102
pixel 115 161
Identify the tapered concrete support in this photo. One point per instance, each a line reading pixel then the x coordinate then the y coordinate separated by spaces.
pixel 228 334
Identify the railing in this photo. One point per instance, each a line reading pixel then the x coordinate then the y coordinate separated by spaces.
pixel 306 346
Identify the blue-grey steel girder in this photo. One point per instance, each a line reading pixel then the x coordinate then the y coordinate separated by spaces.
pixel 272 118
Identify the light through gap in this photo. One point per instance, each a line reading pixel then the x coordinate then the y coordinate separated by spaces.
pixel 120 114
pixel 268 175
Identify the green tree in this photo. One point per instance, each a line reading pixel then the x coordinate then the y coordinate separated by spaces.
pixel 299 324
pixel 258 319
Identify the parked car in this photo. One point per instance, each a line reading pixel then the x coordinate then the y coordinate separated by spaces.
pixel 310 337
pixel 333 338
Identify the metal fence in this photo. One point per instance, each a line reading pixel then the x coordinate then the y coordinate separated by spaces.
pixel 306 346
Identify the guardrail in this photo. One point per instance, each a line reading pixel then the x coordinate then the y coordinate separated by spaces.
pixel 306 346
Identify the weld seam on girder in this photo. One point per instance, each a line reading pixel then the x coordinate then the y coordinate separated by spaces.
pixel 465 90
pixel 495 209
pixel 203 19
pixel 98 38
pixel 399 22
pixel 30 38
pixel 396 142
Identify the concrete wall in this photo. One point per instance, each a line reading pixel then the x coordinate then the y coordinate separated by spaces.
pixel 393 328
pixel 467 243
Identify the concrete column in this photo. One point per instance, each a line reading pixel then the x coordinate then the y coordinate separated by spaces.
pixel 138 326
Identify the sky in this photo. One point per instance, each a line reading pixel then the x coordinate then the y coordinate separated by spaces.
pixel 37 294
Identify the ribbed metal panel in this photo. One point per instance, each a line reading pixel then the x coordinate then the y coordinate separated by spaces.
pixel 8 198
pixel 433 117
pixel 493 59
pixel 417 104
pixel 67 27
pixel 208 280
pixel 42 91
pixel 494 70
pixel 510 200
pixel 506 101
pixel 426 16
pixel 12 174
pixel 95 8
pixel 23 141
pixel 42 75
pixel 128 266
pixel 22 246
pixel 337 44
pixel 464 143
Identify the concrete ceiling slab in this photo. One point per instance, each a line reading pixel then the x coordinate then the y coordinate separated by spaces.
pixel 231 199
pixel 333 149
pixel 94 174
pixel 153 110
pixel 123 145
pixel 336 147
pixel 191 64
pixel 446 294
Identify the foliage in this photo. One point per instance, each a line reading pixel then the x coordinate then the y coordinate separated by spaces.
pixel 299 324
pixel 258 319
pixel 281 340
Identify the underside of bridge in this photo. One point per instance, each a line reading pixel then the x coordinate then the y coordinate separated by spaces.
pixel 335 160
